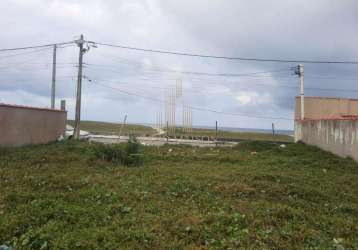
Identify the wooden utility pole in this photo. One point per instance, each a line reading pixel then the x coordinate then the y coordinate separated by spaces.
pixel 216 133
pixel 300 72
pixel 53 87
pixel 76 131
pixel 167 131
pixel 302 93
pixel 216 130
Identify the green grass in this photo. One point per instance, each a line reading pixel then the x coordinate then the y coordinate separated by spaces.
pixel 255 195
pixel 114 128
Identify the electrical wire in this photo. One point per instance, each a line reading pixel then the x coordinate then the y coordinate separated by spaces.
pixel 205 73
pixel 193 107
pixel 37 46
pixel 226 57
pixel 265 84
pixel 250 74
pixel 146 88
pixel 24 53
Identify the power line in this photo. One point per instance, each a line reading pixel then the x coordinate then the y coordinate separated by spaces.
pixel 249 74
pixel 37 46
pixel 24 53
pixel 271 85
pixel 205 73
pixel 251 83
pixel 145 88
pixel 193 107
pixel 227 57
pixel 257 83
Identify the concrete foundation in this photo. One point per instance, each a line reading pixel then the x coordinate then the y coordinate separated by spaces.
pixel 20 125
pixel 339 136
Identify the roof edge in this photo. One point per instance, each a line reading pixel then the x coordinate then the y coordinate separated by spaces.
pixel 30 107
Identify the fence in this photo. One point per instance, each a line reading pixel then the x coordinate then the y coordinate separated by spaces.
pixel 339 136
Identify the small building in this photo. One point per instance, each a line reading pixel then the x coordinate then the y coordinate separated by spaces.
pixel 329 123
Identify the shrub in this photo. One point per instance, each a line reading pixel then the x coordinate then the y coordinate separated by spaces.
pixel 133 152
pixel 255 146
pixel 128 154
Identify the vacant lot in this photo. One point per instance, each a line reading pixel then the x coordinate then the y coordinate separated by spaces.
pixel 140 130
pixel 256 195
pixel 114 128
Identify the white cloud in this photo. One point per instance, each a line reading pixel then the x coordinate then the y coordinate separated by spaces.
pixel 253 98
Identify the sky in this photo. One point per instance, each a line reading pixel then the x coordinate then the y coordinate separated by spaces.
pixel 136 83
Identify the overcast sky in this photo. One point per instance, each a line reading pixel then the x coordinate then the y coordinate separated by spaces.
pixel 306 29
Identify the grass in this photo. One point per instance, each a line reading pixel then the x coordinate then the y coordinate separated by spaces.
pixel 256 195
pixel 114 128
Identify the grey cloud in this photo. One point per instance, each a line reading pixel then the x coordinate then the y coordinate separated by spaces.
pixel 322 29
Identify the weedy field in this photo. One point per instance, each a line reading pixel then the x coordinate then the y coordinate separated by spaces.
pixel 256 196
pixel 114 128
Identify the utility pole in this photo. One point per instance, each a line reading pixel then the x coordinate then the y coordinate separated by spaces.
pixel 167 131
pixel 76 131
pixel 273 129
pixel 174 109
pixel 53 87
pixel 216 133
pixel 300 73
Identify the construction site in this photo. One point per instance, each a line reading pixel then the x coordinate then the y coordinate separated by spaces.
pixel 180 133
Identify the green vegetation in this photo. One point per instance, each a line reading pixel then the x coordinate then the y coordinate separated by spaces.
pixel 128 154
pixel 108 128
pixel 256 195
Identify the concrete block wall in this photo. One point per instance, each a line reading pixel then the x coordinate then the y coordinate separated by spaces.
pixel 21 125
pixel 339 136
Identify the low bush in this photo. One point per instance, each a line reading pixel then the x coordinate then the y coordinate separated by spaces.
pixel 128 154
pixel 256 146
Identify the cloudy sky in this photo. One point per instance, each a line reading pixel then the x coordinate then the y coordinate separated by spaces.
pixel 283 29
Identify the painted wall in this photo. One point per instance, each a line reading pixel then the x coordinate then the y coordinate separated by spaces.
pixel 20 125
pixel 339 136
pixel 326 107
